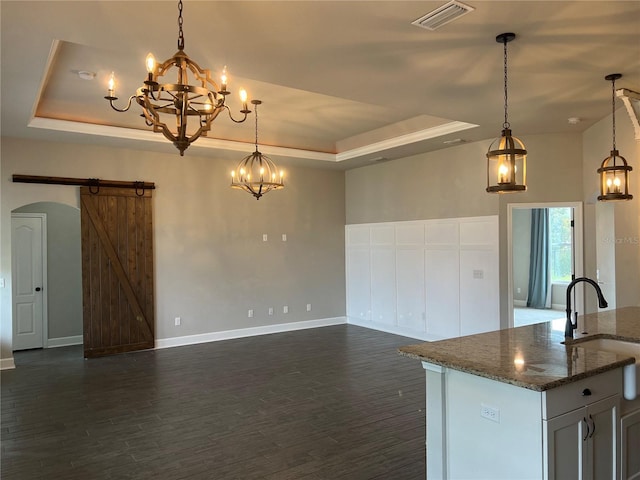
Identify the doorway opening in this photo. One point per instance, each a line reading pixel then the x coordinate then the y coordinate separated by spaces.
pixel 52 315
pixel 545 254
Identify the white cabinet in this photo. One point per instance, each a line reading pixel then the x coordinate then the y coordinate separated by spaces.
pixel 581 428
pixel 629 445
pixel 583 443
pixel 571 432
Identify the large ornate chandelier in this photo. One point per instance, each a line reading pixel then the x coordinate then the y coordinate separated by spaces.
pixel 165 103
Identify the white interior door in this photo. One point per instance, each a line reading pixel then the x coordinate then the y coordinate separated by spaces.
pixel 28 245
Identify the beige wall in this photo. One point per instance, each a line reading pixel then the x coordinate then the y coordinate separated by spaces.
pixel 211 264
pixel 626 235
pixel 448 183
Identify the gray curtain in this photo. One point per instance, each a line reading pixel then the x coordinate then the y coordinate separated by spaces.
pixel 538 295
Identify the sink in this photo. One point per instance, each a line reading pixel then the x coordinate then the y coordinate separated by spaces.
pixel 631 373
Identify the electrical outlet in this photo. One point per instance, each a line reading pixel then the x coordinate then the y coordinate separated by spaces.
pixel 308 307
pixel 490 413
pixel 264 237
pixel 284 237
pixel 178 321
pixel 270 310
pixel 250 313
pixel 285 309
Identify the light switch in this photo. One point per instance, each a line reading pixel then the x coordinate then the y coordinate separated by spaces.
pixel 264 237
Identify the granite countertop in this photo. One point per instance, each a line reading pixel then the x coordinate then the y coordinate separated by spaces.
pixel 534 356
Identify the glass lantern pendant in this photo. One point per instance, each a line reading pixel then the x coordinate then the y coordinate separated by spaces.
pixel 507 156
pixel 614 171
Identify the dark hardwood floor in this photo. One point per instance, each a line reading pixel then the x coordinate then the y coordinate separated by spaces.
pixel 329 403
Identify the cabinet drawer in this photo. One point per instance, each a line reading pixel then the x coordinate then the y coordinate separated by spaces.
pixel 569 397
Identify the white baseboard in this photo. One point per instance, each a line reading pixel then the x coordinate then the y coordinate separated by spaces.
pixel 7 363
pixel 557 306
pixel 519 303
pixel 247 332
pixel 391 329
pixel 65 341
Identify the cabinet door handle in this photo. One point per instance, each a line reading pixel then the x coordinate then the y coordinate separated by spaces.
pixel 586 435
pixel 593 426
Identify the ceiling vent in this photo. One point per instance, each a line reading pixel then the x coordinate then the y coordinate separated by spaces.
pixel 443 15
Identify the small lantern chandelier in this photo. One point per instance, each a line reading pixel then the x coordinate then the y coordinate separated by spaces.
pixel 256 173
pixel 202 102
pixel 614 171
pixel 507 157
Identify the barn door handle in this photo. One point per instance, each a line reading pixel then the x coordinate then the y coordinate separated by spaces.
pixel 38 289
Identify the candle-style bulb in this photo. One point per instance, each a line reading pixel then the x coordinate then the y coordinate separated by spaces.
pixel 151 63
pixel 223 79
pixel 243 95
pixel 112 84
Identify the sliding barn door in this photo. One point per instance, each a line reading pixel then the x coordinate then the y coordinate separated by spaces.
pixel 117 270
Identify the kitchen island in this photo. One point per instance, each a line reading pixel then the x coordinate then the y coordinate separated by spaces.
pixel 519 403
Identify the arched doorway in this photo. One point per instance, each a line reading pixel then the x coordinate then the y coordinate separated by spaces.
pixel 62 287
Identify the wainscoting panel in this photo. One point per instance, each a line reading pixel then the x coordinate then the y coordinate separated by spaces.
pixel 442 272
pixel 410 283
pixel 383 285
pixel 430 279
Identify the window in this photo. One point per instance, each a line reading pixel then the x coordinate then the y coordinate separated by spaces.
pixel 560 236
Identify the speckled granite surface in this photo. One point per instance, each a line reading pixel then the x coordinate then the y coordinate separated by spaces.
pixel 533 356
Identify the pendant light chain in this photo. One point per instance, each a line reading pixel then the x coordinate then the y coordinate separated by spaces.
pixel 256 111
pixel 506 95
pixel 180 32
pixel 613 110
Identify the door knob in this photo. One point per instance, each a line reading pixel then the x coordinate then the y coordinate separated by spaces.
pixel 38 289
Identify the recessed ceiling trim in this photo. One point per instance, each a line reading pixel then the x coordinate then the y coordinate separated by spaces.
pixel 230 145
pixel 48 69
pixel 442 15
pixel 631 101
pixel 149 136
pixel 402 140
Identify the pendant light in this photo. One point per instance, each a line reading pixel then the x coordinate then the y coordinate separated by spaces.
pixel 507 157
pixel 614 171
pixel 256 173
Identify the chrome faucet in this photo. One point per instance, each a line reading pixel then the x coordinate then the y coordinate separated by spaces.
pixel 570 326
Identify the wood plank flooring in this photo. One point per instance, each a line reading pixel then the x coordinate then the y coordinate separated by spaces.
pixel 328 403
